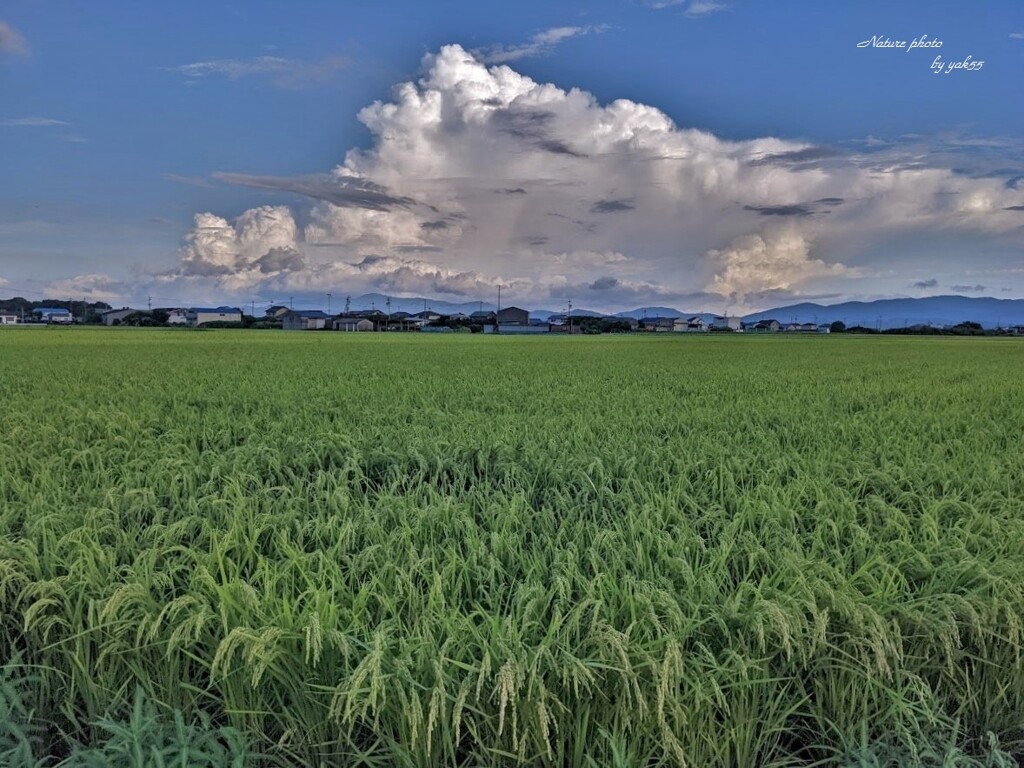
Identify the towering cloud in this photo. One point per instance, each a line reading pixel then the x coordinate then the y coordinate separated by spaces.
pixel 477 175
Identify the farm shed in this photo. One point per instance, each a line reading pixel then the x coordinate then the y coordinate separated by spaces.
pixel 112 316
pixel 197 316
pixel 305 320
pixel 352 324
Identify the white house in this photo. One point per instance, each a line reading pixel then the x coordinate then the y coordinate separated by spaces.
pixel 726 323
pixel 693 324
pixel 54 314
pixel 8 319
pixel 177 317
pixel 197 316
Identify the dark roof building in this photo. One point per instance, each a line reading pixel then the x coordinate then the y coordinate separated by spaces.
pixel 513 316
pixel 304 320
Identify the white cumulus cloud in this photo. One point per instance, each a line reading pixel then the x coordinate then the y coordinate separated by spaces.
pixel 477 175
pixel 774 261
pixel 92 287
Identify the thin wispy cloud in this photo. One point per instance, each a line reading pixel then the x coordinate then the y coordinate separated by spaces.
pixel 233 68
pixel 11 41
pixel 338 190
pixel 703 8
pixel 31 122
pixel 285 73
pixel 1017 35
pixel 540 44
pixel 694 8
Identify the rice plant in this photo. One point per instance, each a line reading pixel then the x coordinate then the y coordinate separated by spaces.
pixel 334 549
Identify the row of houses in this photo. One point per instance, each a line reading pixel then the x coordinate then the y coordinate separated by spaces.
pixel 192 316
pixel 510 320
pixel 375 320
pixel 774 326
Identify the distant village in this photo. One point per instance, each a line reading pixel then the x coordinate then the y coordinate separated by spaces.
pixel 507 320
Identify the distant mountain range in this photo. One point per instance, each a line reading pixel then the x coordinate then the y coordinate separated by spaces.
pixel 883 313
pixel 897 313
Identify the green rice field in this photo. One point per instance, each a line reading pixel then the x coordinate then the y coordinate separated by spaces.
pixel 262 548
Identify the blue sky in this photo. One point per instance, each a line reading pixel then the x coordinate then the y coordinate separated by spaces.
pixel 195 152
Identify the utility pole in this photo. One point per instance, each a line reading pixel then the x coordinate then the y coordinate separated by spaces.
pixel 328 303
pixel 149 303
pixel 291 302
pixel 570 317
pixel 252 307
pixel 497 315
pixel 348 301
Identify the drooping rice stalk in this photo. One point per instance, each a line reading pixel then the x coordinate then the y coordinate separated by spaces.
pixel 478 551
